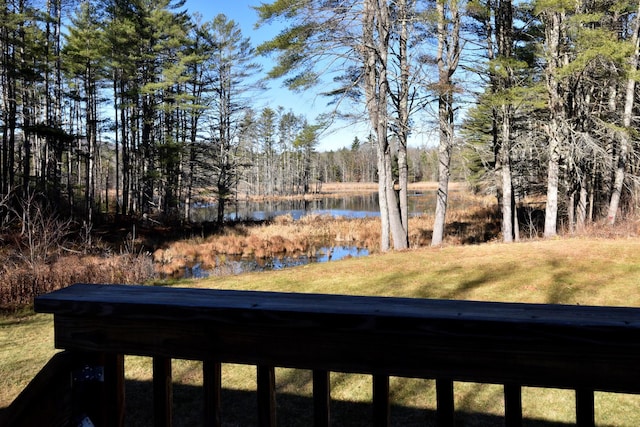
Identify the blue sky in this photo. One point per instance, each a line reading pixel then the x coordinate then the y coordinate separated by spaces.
pixel 308 104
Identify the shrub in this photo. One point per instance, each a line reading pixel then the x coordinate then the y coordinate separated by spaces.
pixel 20 284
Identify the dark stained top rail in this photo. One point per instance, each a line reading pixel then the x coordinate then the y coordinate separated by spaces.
pixel 560 346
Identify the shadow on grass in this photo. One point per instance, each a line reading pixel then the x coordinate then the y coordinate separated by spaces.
pixel 239 408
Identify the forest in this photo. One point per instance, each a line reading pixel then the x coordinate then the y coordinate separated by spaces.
pixel 115 108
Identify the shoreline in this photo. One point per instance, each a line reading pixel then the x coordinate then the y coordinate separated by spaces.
pixel 338 189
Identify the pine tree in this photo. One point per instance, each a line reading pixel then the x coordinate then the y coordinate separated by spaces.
pixel 229 69
pixel 84 63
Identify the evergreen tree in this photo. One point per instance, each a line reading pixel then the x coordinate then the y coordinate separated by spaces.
pixel 84 63
pixel 229 70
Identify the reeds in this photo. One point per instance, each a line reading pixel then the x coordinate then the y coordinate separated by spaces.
pixel 19 284
pixel 471 220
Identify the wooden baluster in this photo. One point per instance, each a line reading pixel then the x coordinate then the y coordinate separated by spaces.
pixel 321 398
pixel 585 412
pixel 212 385
pixel 381 411
pixel 266 396
pixel 162 392
pixel 114 389
pixel 512 405
pixel 446 409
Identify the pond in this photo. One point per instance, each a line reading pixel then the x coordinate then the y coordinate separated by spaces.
pixel 230 265
pixel 349 206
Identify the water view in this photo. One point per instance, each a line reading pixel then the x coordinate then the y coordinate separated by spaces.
pixel 349 206
pixel 228 265
pixel 330 227
pixel 346 206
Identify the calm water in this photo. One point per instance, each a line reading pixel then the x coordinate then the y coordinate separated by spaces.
pixel 351 206
pixel 230 265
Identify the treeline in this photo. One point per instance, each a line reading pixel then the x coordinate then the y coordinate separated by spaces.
pixel 136 107
pixel 357 163
pixel 139 107
pixel 557 115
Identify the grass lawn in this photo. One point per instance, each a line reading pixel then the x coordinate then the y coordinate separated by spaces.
pixel 563 271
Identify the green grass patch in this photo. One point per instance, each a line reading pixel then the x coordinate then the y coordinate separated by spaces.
pixel 26 344
pixel 571 271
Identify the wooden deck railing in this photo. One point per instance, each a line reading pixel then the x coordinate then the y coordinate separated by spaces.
pixel 585 349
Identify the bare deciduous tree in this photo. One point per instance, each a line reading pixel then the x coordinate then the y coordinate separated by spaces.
pixel 447 59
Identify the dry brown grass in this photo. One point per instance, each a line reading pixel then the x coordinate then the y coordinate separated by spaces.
pixel 471 219
pixel 20 284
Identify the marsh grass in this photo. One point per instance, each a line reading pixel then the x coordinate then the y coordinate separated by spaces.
pixel 20 283
pixel 587 271
pixel 472 219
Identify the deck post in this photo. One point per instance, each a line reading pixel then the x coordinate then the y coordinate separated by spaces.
pixel 445 405
pixel 114 388
pixel 381 411
pixel 512 405
pixel 585 412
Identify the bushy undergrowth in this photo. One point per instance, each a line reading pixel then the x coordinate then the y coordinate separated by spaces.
pixel 19 284
pixel 471 219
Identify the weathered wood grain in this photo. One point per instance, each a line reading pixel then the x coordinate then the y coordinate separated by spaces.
pixel 577 347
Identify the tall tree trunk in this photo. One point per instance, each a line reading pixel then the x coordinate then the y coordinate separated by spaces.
pixel 627 118
pixel 508 211
pixel 504 39
pixel 398 232
pixel 555 128
pixel 116 148
pixel 403 117
pixel 553 179
pixel 444 162
pixel 375 92
pixel 581 209
pixel 9 100
pixel 447 57
pixel 125 143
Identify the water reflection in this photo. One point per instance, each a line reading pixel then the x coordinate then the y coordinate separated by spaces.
pixel 230 265
pixel 350 206
pixel 356 206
